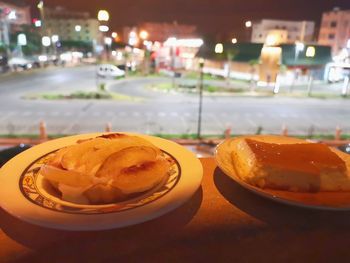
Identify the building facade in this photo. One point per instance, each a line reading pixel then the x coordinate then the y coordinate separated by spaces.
pixel 283 30
pixel 335 30
pixel 161 31
pixel 69 25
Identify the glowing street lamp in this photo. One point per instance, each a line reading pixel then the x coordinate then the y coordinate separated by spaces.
pixel 40 5
pixel 132 38
pixel 234 40
pixel 54 38
pixel 77 28
pixel 22 39
pixel 310 52
pixel 108 41
pixel 103 15
pixel 143 34
pixel 114 34
pixel 46 41
pixel 299 46
pixel 103 28
pixel 248 23
pixel 12 15
pixel 219 48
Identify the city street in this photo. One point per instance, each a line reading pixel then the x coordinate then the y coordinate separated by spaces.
pixel 154 112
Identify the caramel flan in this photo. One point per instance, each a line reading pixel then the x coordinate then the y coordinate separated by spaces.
pixel 286 164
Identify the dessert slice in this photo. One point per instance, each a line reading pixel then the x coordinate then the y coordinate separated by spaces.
pixel 301 167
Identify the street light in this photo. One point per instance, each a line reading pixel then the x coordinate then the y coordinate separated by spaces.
pixel 310 52
pixel 103 28
pixel 248 23
pixel 46 41
pixel 199 128
pixel 219 48
pixel 132 38
pixel 77 28
pixel 102 15
pixel 54 38
pixel 21 39
pixel 108 41
pixel 12 15
pixel 143 34
pixel 114 34
pixel 234 40
pixel 40 5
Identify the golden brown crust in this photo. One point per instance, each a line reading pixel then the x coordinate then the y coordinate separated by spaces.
pixel 113 166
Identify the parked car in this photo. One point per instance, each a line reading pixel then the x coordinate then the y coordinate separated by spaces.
pixel 20 63
pixel 109 71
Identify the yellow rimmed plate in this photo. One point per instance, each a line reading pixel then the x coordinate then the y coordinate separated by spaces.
pixel 25 194
pixel 338 201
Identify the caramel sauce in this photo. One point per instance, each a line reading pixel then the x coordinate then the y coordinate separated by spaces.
pixel 311 158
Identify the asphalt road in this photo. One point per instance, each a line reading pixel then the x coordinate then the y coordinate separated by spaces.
pixel 155 111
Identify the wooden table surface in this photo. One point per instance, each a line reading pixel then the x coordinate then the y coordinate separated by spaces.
pixel 222 222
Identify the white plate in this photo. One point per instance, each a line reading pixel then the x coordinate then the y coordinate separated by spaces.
pixel 24 194
pixel 339 201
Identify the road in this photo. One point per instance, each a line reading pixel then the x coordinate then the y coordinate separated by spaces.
pixel 156 112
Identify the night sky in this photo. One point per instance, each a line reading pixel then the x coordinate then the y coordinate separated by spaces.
pixel 214 18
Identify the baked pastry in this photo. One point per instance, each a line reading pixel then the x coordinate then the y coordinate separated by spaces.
pixel 106 169
pixel 284 163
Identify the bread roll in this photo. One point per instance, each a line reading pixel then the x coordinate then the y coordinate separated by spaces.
pixel 106 169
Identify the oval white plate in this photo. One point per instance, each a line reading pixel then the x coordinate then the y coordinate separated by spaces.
pixel 339 201
pixel 22 193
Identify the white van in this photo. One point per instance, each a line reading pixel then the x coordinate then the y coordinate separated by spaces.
pixel 109 71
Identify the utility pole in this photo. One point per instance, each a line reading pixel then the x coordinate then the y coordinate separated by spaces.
pixel 201 65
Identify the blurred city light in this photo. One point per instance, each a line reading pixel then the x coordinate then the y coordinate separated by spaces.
pixel 103 15
pixel 46 41
pixel 42 58
pixel 171 41
pixel 195 42
pixel 22 39
pixel 12 15
pixel 114 34
pixel 108 41
pixel 234 40
pixel 77 28
pixel 54 38
pixel 248 23
pixel 37 23
pixel 299 46
pixel 219 48
pixel 103 28
pixel 132 38
pixel 271 40
pixel 143 34
pixel 310 52
pixel 40 4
